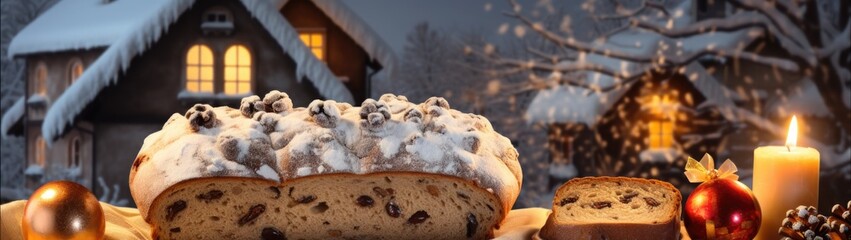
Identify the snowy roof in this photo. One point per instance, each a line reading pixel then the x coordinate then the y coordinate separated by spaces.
pixel 12 116
pixel 803 99
pixel 85 24
pixel 357 29
pixel 564 104
pixel 128 27
pixel 308 65
pixel 80 24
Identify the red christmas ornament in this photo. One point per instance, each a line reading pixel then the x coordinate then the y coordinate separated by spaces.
pixel 721 208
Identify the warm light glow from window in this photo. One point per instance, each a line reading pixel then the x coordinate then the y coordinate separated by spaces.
pixel 75 70
pixel 199 69
pixel 662 105
pixel 41 79
pixel 40 151
pixel 316 43
pixel 661 134
pixel 237 70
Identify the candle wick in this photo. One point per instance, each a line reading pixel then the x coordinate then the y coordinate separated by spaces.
pixel 789 148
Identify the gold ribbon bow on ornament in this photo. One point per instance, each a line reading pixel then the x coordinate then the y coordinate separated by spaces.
pixel 705 170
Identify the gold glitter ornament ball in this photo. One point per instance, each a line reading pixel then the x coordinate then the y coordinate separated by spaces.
pixel 63 210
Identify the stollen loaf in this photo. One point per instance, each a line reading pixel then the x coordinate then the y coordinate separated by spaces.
pixel 389 169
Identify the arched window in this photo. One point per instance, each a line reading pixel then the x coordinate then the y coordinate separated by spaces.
pixel 75 70
pixel 40 79
pixel 237 70
pixel 74 155
pixel 40 154
pixel 199 69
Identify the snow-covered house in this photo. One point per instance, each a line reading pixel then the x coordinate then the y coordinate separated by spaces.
pixel 645 124
pixel 102 75
pixel 653 122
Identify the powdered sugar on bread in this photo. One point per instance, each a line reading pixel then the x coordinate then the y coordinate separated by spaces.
pixel 270 139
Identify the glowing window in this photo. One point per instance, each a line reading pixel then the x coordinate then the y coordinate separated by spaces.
pixel 75 70
pixel 40 79
pixel 74 155
pixel 199 69
pixel 40 151
pixel 316 42
pixel 237 70
pixel 661 134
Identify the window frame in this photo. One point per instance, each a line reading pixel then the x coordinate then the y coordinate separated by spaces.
pixel 218 11
pixel 324 47
pixel 225 65
pixel 40 78
pixel 39 152
pixel 200 65
pixel 662 134
pixel 75 158
pixel 69 72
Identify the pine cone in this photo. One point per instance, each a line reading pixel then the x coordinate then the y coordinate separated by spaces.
pixel 804 223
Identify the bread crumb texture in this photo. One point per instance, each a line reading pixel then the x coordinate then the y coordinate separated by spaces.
pixel 334 206
pixel 616 200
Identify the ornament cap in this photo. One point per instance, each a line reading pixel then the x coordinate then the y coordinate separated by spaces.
pixel 704 170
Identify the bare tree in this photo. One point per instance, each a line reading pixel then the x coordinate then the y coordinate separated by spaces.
pixel 632 39
pixel 433 64
pixel 424 67
pixel 813 34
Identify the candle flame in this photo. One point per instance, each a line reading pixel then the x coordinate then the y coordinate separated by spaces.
pixel 792 135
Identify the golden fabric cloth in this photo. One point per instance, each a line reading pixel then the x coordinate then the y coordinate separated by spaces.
pixel 126 223
pixel 121 222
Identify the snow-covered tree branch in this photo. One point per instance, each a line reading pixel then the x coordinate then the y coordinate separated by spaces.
pixel 752 56
pixel 666 37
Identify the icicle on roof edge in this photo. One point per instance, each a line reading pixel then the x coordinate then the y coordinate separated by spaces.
pixel 357 29
pixel 360 31
pixel 12 115
pixel 328 85
pixel 104 70
pixel 83 24
pixel 116 58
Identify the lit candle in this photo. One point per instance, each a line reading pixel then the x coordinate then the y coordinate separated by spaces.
pixel 783 178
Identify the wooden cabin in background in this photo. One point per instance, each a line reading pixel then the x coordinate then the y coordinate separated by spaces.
pixel 102 75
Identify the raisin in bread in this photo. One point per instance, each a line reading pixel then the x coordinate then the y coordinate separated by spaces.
pixel 389 169
pixel 614 208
